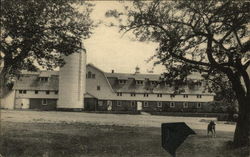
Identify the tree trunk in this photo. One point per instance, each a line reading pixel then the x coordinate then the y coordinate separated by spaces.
pixel 242 131
pixel 3 82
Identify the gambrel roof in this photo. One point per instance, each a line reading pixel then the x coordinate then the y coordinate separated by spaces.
pixel 31 81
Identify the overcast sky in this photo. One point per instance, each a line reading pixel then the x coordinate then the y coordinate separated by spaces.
pixel 108 50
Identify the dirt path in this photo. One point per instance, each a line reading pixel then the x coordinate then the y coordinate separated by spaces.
pixel 107 119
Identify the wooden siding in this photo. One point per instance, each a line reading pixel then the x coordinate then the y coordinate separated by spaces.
pixel 40 95
pixel 178 106
pixel 38 104
pixel 118 105
pixel 105 92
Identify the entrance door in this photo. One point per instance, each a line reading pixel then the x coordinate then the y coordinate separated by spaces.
pixel 109 105
pixel 139 106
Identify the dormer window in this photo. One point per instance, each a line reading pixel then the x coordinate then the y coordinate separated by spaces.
pixel 154 82
pixel 22 91
pixel 119 94
pixel 172 96
pixel 139 82
pixel 132 94
pixel 122 81
pixel 199 96
pixel 159 95
pixel 44 79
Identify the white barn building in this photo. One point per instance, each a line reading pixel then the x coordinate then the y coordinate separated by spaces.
pixel 85 87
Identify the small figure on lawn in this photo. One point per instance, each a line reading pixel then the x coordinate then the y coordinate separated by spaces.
pixel 211 128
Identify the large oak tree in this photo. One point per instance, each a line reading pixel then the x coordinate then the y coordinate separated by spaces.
pixel 211 37
pixel 34 33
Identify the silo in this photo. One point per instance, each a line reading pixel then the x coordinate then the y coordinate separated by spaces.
pixel 72 77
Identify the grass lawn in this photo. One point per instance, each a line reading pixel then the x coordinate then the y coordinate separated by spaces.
pixel 86 140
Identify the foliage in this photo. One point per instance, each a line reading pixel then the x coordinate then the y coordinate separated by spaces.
pixel 34 33
pixel 222 88
pixel 183 35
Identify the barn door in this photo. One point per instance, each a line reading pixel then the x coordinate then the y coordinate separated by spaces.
pixel 139 106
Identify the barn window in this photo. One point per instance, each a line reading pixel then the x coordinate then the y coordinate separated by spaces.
pixel 98 87
pixel 185 105
pixel 100 103
pixel 119 103
pixel 133 103
pixel 198 105
pixel 109 103
pixel 172 104
pixel 145 104
pixel 44 102
pixel 159 104
pixel 89 74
